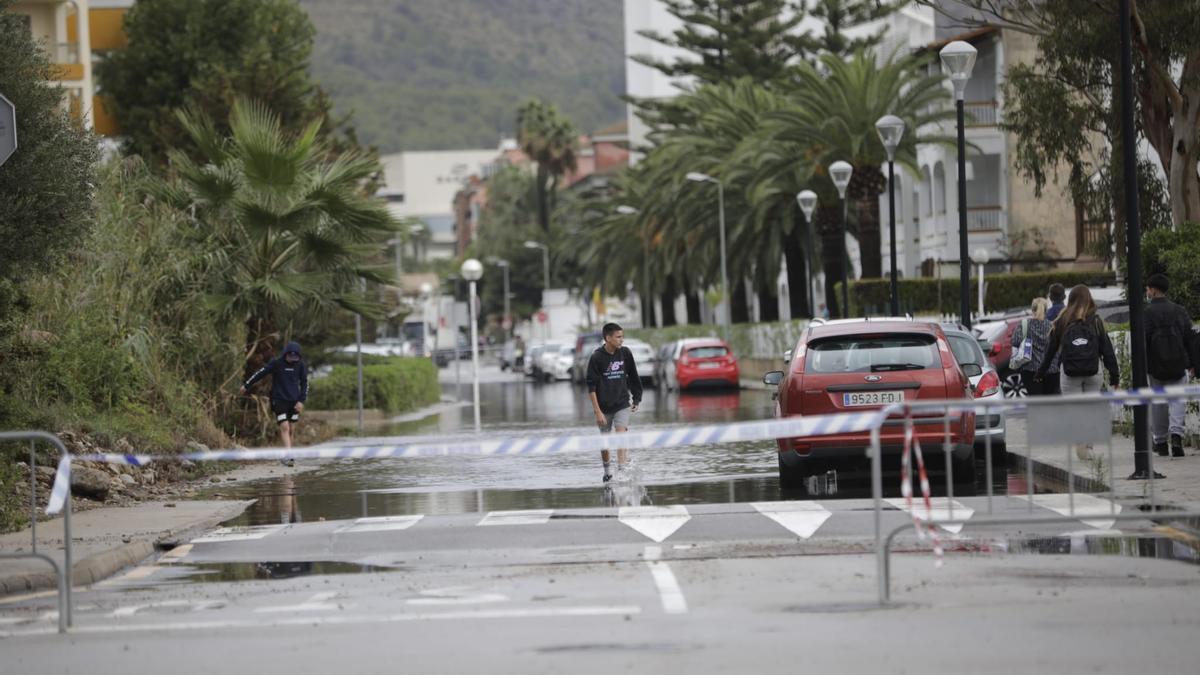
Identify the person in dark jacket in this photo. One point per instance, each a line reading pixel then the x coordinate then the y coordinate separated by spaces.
pixel 289 389
pixel 1168 332
pixel 1080 341
pixel 1058 296
pixel 614 388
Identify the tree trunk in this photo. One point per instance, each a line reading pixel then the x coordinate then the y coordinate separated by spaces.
pixel 542 196
pixel 797 269
pixel 692 298
pixel 668 303
pixel 1184 184
pixel 261 335
pixel 739 307
pixel 768 303
pixel 867 184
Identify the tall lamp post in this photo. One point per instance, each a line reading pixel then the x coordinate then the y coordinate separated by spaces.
pixel 503 264
pixel 545 279
pixel 472 270
pixel 454 278
pixel 644 293
pixel 841 172
pixel 958 60
pixel 808 203
pixel 891 130
pixel 981 258
pixel 427 296
pixel 705 178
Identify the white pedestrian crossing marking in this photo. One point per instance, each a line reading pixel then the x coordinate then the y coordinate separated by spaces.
pixel 529 517
pixel 380 524
pixel 941 511
pixel 222 534
pixel 801 518
pixel 656 522
pixel 1085 505
pixel 317 603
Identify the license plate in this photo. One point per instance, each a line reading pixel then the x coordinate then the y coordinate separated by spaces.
pixel 710 365
pixel 861 398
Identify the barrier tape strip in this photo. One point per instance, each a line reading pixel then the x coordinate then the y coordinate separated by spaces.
pixel 503 446
pixel 914 444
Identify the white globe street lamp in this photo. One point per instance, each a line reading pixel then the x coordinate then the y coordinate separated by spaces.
pixel 891 130
pixel 545 280
pixel 807 199
pixel 958 60
pixel 472 270
pixel 841 172
pixel 705 178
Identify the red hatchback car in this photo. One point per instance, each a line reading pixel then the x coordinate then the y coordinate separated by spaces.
pixel 857 364
pixel 702 362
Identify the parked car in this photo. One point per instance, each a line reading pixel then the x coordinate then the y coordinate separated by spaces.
pixel 531 356
pixel 585 344
pixel 544 360
pixel 860 364
pixel 645 357
pixel 701 362
pixel 659 374
pixel 985 386
pixel 996 339
pixel 560 363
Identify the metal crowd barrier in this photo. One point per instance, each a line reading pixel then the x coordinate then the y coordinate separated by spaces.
pixel 1078 419
pixel 62 574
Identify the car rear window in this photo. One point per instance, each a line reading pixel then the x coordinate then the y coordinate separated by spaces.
pixel 872 353
pixel 707 352
pixel 966 350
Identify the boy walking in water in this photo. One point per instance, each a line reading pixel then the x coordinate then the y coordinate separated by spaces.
pixel 289 390
pixel 612 380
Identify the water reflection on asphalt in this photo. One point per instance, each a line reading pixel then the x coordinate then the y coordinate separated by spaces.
pixel 737 472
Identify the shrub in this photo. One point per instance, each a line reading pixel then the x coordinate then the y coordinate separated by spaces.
pixel 398 385
pixel 1003 291
pixel 1174 253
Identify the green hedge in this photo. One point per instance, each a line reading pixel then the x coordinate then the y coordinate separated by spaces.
pixel 1004 291
pixel 1174 252
pixel 397 385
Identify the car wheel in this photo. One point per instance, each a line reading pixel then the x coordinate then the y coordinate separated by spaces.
pixel 1013 385
pixel 790 478
pixel 999 453
pixel 964 476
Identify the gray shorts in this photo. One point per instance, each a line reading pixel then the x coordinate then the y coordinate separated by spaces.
pixel 617 419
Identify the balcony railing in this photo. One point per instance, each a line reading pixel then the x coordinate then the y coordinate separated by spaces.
pixel 982 113
pixel 985 218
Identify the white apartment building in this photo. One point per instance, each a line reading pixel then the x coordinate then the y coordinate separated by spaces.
pixel 62 26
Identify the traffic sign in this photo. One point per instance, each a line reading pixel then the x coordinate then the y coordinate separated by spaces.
pixel 8 129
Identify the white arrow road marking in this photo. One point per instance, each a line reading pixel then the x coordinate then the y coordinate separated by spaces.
pixel 380 524
pixel 1085 505
pixel 196 606
pixel 238 533
pixel 802 518
pixel 316 603
pixel 941 511
pixel 531 517
pixel 456 595
pixel 673 601
pixel 656 522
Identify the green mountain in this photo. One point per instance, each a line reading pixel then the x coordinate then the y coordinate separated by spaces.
pixel 441 74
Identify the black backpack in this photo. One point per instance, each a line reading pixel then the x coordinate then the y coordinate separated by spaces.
pixel 1080 349
pixel 1168 353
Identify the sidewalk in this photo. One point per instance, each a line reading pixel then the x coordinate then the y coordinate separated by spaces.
pixel 1180 489
pixel 106 540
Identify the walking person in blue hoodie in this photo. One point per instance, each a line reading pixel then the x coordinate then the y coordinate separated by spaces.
pixel 289 390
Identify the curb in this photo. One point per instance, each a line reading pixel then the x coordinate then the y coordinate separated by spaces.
pixel 103 564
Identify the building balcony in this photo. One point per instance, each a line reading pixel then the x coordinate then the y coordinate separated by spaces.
pixel 985 219
pixel 982 113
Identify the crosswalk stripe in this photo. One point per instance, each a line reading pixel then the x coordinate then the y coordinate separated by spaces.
pixel 941 511
pixel 1085 505
pixel 223 534
pixel 801 518
pixel 380 524
pixel 656 522
pixel 529 517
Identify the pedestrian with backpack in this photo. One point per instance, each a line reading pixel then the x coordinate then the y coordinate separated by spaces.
pixel 1168 332
pixel 1079 339
pixel 289 390
pixel 1029 342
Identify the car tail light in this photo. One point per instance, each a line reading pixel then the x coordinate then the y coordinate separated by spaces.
pixel 988 384
pixel 995 349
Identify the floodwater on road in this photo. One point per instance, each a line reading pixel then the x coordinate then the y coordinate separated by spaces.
pixel 715 473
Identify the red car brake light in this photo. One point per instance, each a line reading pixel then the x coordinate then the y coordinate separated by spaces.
pixel 988 384
pixel 995 349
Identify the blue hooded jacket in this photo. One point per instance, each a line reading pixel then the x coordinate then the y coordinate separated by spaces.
pixel 289 380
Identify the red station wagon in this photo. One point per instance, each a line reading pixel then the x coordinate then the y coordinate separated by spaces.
pixel 857 365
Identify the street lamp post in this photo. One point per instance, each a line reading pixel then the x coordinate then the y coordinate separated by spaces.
pixel 725 299
pixel 644 293
pixel 958 59
pixel 503 264
pixel 981 258
pixel 808 204
pixel 891 130
pixel 454 338
pixel 841 172
pixel 472 270
pixel 545 279
pixel 427 296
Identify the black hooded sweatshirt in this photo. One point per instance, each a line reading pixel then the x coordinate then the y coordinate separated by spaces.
pixel 614 377
pixel 289 380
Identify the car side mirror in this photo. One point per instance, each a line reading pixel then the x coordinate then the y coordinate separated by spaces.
pixel 972 369
pixel 787 356
pixel 773 378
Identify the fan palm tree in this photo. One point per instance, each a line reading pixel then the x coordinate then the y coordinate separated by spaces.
pixel 548 138
pixel 282 228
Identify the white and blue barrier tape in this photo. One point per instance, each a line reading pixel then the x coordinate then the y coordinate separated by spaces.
pixel 506 445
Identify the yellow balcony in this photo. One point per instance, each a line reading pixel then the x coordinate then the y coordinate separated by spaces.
pixel 67 71
pixel 105 122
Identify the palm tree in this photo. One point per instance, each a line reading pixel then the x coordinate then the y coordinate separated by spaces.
pixel 281 226
pixel 547 138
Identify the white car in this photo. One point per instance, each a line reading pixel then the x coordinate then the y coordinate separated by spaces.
pixel 986 386
pixel 644 357
pixel 545 360
pixel 563 361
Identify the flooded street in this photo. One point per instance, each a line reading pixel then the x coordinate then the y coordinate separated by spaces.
pixel 724 473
